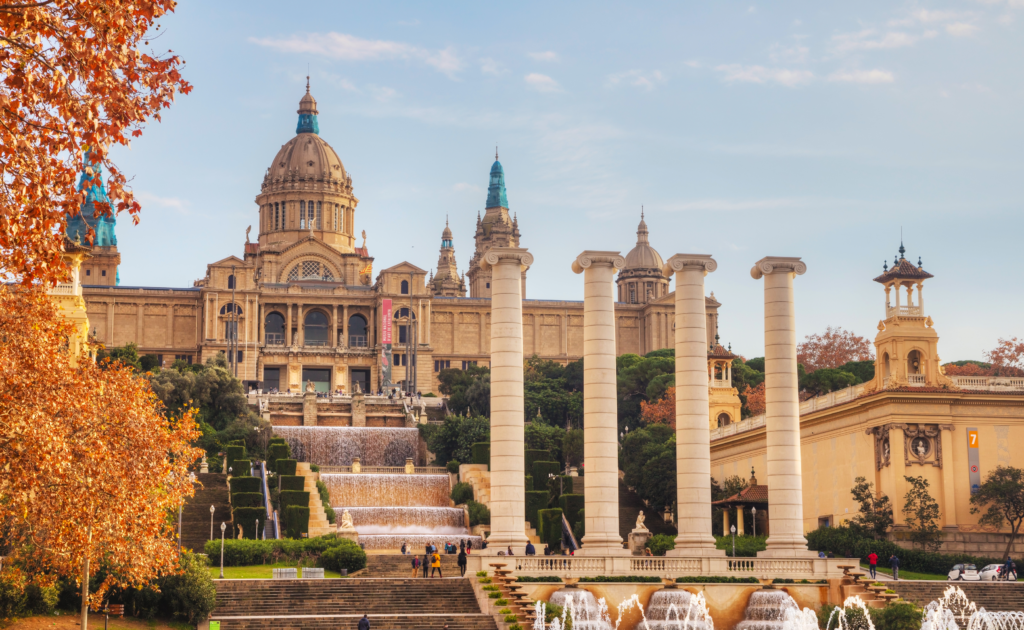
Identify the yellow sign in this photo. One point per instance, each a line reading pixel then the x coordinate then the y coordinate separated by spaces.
pixel 972 439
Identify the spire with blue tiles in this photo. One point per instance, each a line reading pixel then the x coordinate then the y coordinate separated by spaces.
pixel 78 225
pixel 496 197
pixel 307 114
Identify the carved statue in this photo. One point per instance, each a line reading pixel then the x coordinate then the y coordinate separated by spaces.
pixel 240 532
pixel 640 518
pixel 364 239
pixel 310 387
pixel 247 230
pixel 346 521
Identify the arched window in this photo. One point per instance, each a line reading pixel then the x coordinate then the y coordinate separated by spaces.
pixel 357 332
pixel 274 329
pixel 310 214
pixel 277 215
pixel 723 420
pixel 231 281
pixel 302 215
pixel 403 312
pixel 405 287
pixel 227 309
pixel 316 325
pixel 885 365
pixel 284 204
pixel 310 270
pixel 319 223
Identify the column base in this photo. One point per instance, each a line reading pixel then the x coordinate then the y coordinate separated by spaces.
pixel 499 541
pixel 696 552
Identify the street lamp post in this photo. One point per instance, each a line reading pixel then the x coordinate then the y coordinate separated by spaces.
pixel 192 480
pixel 213 508
pixel 223 526
pixel 753 512
pixel 733 530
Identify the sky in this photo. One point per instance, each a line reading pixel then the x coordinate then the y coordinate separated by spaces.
pixel 822 130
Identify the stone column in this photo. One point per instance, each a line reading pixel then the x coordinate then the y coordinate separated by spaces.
pixel 782 418
pixel 288 324
pixel 600 411
pixel 949 516
pixel 334 326
pixel 508 493
pixel 344 326
pixel 693 440
pixel 739 520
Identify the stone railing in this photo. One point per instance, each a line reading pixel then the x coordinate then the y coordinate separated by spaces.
pixel 916 380
pixel 64 288
pixel 830 399
pixel 989 383
pixel 670 567
pixel 904 311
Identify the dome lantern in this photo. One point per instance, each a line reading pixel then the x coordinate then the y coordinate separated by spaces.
pixel 307 114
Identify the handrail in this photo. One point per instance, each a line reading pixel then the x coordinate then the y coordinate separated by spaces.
pixel 567 533
pixel 265 489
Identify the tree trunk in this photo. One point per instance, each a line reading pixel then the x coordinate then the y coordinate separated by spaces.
pixel 1009 545
pixel 85 581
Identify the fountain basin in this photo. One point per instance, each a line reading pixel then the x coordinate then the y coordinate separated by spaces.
pixel 392 490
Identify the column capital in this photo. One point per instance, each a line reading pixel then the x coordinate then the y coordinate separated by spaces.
pixel 689 261
pixel 505 255
pixel 592 257
pixel 777 264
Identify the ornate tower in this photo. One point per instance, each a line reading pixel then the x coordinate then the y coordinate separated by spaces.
pixel 101 268
pixel 906 346
pixel 723 398
pixel 447 282
pixel 641 280
pixel 496 229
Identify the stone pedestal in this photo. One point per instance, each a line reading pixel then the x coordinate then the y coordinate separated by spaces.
pixel 600 412
pixel 508 494
pixel 351 534
pixel 693 441
pixel 638 540
pixel 204 467
pixel 359 409
pixel 782 416
pixel 309 409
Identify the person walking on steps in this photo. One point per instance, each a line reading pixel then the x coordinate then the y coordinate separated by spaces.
pixel 426 563
pixel 462 563
pixel 364 623
pixel 872 563
pixel 415 565
pixel 435 565
pixel 894 562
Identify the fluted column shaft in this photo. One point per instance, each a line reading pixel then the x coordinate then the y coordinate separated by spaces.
pixel 508 489
pixel 693 441
pixel 600 407
pixel 782 416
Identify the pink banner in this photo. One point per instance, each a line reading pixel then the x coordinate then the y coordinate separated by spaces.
pixel 385 325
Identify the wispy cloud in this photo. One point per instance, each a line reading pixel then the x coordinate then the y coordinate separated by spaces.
pixel 735 72
pixel 464 187
pixel 490 66
pixel 542 82
pixel 351 48
pixel 871 39
pixel 636 78
pixel 170 203
pixel 961 29
pixel 547 55
pixel 789 54
pixel 862 76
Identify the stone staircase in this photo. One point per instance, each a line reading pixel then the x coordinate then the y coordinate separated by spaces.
pixel 380 565
pixel 992 596
pixel 852 584
pixel 195 516
pixel 318 523
pixel 399 604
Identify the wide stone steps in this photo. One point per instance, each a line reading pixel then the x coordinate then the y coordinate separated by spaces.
pixel 195 516
pixel 399 566
pixel 992 596
pixel 346 596
pixel 377 622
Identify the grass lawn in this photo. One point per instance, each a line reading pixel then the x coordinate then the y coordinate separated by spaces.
pixel 906 575
pixel 259 572
pixel 66 621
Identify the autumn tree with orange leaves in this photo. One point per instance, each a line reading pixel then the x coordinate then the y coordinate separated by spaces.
pixel 661 412
pixel 832 348
pixel 1008 357
pixel 73 75
pixel 757 402
pixel 93 466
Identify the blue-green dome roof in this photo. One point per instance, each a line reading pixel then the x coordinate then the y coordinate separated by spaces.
pixel 78 225
pixel 496 196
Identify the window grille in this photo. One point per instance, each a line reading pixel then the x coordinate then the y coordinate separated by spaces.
pixel 302 215
pixel 310 270
pixel 319 224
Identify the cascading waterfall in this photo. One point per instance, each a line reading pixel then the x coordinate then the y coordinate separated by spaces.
pixel 338 446
pixel 766 610
pixel 586 611
pixel 380 490
pixel 424 520
pixel 676 609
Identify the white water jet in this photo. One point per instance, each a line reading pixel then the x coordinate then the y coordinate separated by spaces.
pixel 796 619
pixel 845 621
pixel 338 446
pixel 630 604
pixel 585 611
pixel 677 609
pixel 766 610
pixel 954 610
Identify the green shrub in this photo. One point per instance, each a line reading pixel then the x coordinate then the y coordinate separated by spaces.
pixel 244 484
pixel 639 579
pixel 536 500
pixel 494 595
pixel 462 492
pixel 579 528
pixel 528 479
pixel 660 543
pixel 567 485
pixel 551 527
pixel 481 573
pixel 511 618
pixel 343 555
pixel 12 594
pixel 484 580
pixel 490 587
pixel 534 455
pixel 481 453
pixel 276 451
pixel 540 472
pixel 292 482
pixel 232 453
pixel 716 579
pixel 250 552
pixel 325 499
pixel 501 602
pixel 479 514
pixel 504 611
pixel 241 468
pixel 247 499
pixel 296 520
pixel 247 517
pixel 41 600
pixel 572 505
pixel 746 546
pixel 189 595
pixel 285 466
pixel 293 497
pixel 453 467
pixel 549 578
pixel 897 616
pixel 552 612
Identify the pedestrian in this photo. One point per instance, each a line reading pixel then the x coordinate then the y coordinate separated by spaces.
pixel 415 565
pixel 894 562
pixel 530 549
pixel 462 544
pixel 872 563
pixel 403 547
pixel 469 545
pixel 435 565
pixel 426 563
pixel 1009 570
pixel 509 551
pixel 364 623
pixel 462 563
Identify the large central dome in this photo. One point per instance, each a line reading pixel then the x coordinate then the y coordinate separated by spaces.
pixel 643 256
pixel 307 155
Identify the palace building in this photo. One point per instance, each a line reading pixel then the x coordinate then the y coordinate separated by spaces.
pixel 301 303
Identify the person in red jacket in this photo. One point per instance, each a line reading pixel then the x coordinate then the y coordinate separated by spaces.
pixel 872 563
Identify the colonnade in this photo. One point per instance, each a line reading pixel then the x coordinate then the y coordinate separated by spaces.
pixel 600 417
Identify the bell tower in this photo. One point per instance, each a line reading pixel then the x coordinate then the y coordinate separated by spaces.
pixel 906 346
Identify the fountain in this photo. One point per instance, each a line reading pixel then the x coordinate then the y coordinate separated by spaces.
pixel 766 610
pixel 338 446
pixel 847 621
pixel 585 611
pixel 954 611
pixel 675 609
pixel 386 490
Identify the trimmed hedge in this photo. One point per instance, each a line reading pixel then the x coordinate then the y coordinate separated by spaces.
pixel 846 543
pixel 481 453
pixel 247 517
pixel 536 500
pixel 567 485
pixel 535 455
pixel 643 579
pixel 286 466
pixel 579 528
pixel 572 505
pixel 479 514
pixel 245 484
pixel 247 499
pixel 529 483
pixel 294 497
pixel 296 520
pixel 462 492
pixel 249 552
pixel 233 453
pixel 345 555
pixel 551 527
pixel 276 451
pixel 241 468
pixel 541 470
pixel 549 578
pixel 292 482
pixel 716 579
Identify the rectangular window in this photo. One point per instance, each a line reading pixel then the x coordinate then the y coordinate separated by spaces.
pixel 468 364
pixel 284 205
pixel 88 272
pixel 402 335
pixel 239 359
pixel 104 273
pixel 319 207
pixel 277 215
pixel 230 330
pixel 442 365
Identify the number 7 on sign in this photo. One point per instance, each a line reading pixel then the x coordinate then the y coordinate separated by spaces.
pixel 972 439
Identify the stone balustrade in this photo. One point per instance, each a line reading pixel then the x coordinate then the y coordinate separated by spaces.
pixel 668 567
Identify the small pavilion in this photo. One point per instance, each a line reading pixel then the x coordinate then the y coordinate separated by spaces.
pixel 753 496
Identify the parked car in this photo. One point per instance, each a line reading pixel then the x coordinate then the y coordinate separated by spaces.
pixel 990 573
pixel 964 572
